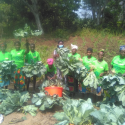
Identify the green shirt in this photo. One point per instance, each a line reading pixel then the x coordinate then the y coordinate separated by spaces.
pixel 87 62
pixel 118 64
pixel 35 57
pixel 53 69
pixel 5 56
pixel 100 67
pixel 76 55
pixel 18 57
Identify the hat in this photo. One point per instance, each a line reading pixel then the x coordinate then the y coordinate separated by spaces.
pixel 122 47
pixel 50 61
pixel 74 46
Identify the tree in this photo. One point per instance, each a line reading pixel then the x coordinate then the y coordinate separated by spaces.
pixel 34 9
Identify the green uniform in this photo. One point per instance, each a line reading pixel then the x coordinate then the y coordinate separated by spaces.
pixel 18 57
pixel 87 62
pixel 53 69
pixel 5 56
pixel 76 55
pixel 32 57
pixel 100 67
pixel 118 64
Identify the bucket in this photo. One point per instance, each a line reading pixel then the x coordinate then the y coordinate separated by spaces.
pixel 54 90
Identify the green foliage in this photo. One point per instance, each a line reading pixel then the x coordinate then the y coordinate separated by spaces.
pixel 46 102
pixel 91 80
pixel 7 69
pixel 30 109
pixel 62 51
pixel 13 102
pixel 108 115
pixel 71 65
pixel 37 69
pixel 115 86
pixel 75 112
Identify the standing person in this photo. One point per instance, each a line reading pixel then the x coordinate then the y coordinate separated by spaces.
pixel 18 55
pixel 32 57
pixel 118 62
pixel 51 70
pixel 101 69
pixel 55 56
pixel 87 61
pixel 72 82
pixel 4 56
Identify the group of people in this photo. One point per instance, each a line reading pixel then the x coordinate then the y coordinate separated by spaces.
pixel 29 55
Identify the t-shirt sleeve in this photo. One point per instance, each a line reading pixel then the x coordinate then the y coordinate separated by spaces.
pixel 112 61
pixel 46 69
pixel 54 53
pixel 39 59
pixel 106 67
pixel 55 70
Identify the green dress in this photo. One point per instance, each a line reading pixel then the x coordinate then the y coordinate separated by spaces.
pixel 118 64
pixel 19 77
pixel 4 57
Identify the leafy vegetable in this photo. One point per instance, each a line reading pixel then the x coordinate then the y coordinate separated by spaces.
pixel 7 69
pixel 36 32
pixel 37 69
pixel 45 102
pixel 13 102
pixel 115 86
pixel 70 65
pixel 91 80
pixel 30 109
pixel 75 112
pixel 62 51
pixel 108 115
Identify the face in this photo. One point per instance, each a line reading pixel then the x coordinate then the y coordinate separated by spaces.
pixel 89 53
pixel 74 51
pixel 3 48
pixel 50 66
pixel 17 46
pixel 122 53
pixel 32 48
pixel 100 55
pixel 60 43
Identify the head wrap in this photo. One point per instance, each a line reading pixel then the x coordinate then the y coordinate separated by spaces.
pixel 74 46
pixel 50 61
pixel 102 50
pixel 122 47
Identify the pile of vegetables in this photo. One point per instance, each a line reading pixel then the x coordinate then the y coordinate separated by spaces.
pixel 62 51
pixel 70 65
pixel 7 69
pixel 44 101
pixel 37 69
pixel 115 86
pixel 91 80
pixel 109 115
pixel 75 112
pixel 13 102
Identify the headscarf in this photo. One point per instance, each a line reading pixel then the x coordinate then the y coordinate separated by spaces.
pixel 50 61
pixel 122 47
pixel 102 50
pixel 74 46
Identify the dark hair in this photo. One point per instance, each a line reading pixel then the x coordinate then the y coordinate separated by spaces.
pixel 4 44
pixel 90 49
pixel 17 42
pixel 32 44
pixel 60 41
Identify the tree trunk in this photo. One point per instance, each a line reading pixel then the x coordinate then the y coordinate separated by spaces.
pixel 93 13
pixel 38 22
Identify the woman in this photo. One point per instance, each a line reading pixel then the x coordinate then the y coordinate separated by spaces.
pixel 118 62
pixel 101 69
pixel 4 56
pixel 74 52
pixel 18 56
pixel 32 57
pixel 72 82
pixel 87 61
pixel 55 56
pixel 51 70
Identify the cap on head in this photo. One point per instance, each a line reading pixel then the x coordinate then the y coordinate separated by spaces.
pixel 50 61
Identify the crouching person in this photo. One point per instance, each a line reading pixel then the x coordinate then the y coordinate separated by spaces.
pixel 51 70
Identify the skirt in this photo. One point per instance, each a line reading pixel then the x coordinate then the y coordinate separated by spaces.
pixel 19 79
pixel 3 83
pixel 72 83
